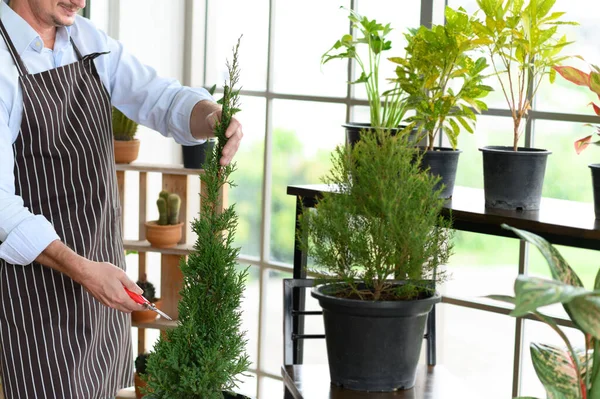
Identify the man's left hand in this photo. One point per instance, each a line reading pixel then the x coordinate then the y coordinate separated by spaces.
pixel 234 134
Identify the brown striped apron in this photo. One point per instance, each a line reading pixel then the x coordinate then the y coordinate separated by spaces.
pixel 58 341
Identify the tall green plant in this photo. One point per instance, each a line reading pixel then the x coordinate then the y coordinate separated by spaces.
pixel 569 373
pixel 124 129
pixel 387 108
pixel 382 223
pixel 523 41
pixel 441 78
pixel 205 354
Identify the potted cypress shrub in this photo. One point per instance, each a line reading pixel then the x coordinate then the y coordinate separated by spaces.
pixel 145 316
pixel 387 108
pixel 443 82
pixel 565 372
pixel 523 41
pixel 591 81
pixel 377 243
pixel 203 357
pixel 165 232
pixel 140 370
pixel 126 146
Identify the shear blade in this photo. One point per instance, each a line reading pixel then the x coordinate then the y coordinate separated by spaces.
pixel 162 314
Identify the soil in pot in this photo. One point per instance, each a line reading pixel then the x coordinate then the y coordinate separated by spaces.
pixel 443 162
pixel 166 236
pixel 513 180
pixel 373 345
pixel 126 151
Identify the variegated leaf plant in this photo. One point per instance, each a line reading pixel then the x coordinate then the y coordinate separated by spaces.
pixel 591 81
pixel 566 373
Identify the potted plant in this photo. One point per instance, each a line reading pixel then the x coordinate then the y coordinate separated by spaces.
pixel 194 156
pixel 145 316
pixel 522 39
pixel 591 81
pixel 377 243
pixel 126 146
pixel 140 370
pixel 204 355
pixel 443 81
pixel 166 231
pixel 387 108
pixel 568 372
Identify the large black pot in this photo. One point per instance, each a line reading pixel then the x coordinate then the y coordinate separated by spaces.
pixel 353 133
pixel 443 162
pixel 194 156
pixel 595 167
pixel 373 345
pixel 513 179
pixel 229 395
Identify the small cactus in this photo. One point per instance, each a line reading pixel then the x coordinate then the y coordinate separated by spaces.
pixel 168 208
pixel 140 363
pixel 149 289
pixel 124 129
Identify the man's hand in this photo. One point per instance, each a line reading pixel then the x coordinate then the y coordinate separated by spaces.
pixel 105 282
pixel 234 134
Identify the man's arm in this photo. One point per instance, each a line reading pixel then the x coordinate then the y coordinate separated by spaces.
pixel 25 237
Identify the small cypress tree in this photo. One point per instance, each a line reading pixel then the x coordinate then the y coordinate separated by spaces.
pixel 205 354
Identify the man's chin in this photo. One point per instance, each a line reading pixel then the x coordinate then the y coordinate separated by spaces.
pixel 64 21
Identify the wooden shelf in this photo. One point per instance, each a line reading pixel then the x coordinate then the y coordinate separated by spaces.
pixel 154 168
pixel 144 246
pixel 158 324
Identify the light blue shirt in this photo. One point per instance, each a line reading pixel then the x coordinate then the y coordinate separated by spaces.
pixel 160 104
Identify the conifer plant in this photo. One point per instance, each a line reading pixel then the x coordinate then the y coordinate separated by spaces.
pixel 204 356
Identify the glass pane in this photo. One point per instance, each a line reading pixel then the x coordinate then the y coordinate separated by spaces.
pixel 401 15
pixel 477 348
pixel 304 134
pixel 564 96
pixel 248 385
pixel 250 306
pixel 272 337
pixel 270 388
pixel 302 35
pixel 490 130
pixel 228 20
pixel 540 333
pixel 248 177
pixel 567 174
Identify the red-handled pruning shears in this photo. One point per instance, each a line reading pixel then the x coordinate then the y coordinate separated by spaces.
pixel 147 304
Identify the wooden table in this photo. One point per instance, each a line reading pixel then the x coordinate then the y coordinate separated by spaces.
pixel 309 381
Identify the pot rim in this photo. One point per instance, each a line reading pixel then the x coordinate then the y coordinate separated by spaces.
pixel 594 166
pixel 153 224
pixel 509 151
pixel 441 150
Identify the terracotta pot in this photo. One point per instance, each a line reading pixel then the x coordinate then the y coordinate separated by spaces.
pixel 139 384
pixel 163 236
pixel 126 151
pixel 146 316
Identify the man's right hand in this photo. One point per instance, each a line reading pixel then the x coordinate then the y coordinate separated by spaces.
pixel 103 280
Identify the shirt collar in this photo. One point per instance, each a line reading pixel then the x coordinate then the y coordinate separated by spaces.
pixel 24 36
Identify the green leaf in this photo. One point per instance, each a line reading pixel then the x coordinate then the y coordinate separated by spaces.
pixel 559 267
pixel 533 292
pixel 597 280
pixel 585 313
pixel 555 370
pixel 595 82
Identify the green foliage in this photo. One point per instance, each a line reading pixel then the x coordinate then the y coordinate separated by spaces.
pixel 205 354
pixel 387 108
pixel 565 373
pixel 168 205
pixel 441 78
pixel 124 129
pixel 149 289
pixel 140 363
pixel 384 222
pixel 522 36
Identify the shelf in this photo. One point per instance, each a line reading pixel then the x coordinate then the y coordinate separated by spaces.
pixel 127 393
pixel 164 169
pixel 158 324
pixel 144 246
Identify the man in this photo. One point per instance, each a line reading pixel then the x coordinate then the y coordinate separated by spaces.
pixel 64 327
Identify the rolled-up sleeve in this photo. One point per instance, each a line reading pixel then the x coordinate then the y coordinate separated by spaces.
pixel 23 236
pixel 159 103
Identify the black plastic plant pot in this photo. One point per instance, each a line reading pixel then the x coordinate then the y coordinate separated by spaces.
pixel 194 156
pixel 595 167
pixel 443 162
pixel 229 395
pixel 373 345
pixel 513 179
pixel 353 131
